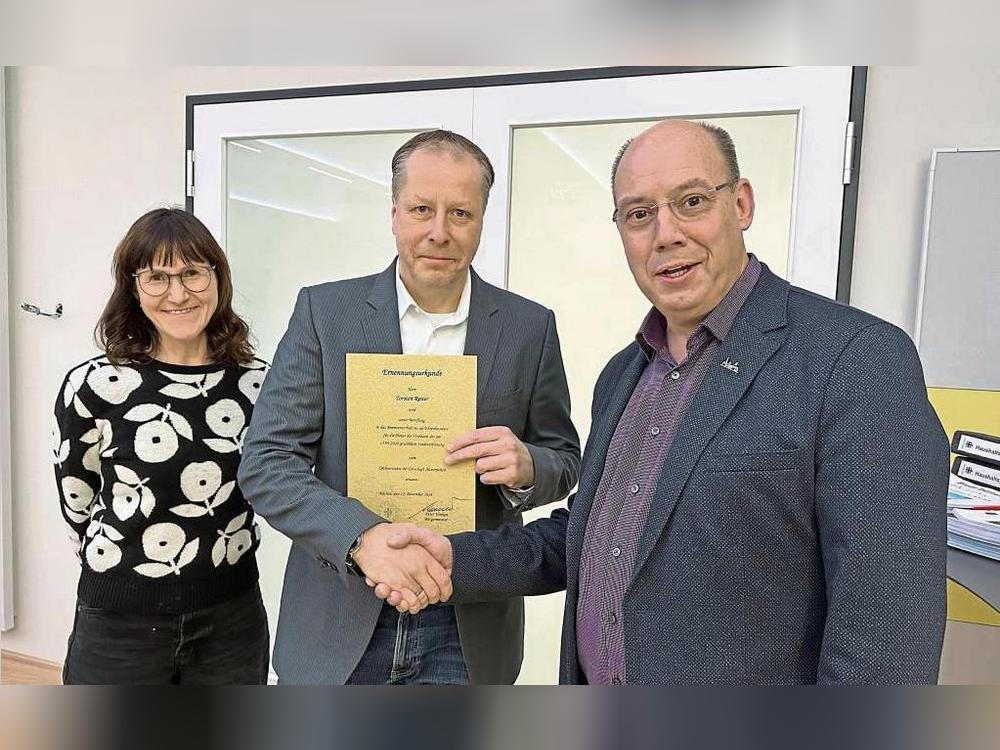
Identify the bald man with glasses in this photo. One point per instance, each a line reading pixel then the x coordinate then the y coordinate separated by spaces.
pixel 762 494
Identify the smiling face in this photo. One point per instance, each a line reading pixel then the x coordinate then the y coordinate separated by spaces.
pixel 684 267
pixel 437 220
pixel 180 316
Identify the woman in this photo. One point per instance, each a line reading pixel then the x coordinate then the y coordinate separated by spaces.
pixel 147 440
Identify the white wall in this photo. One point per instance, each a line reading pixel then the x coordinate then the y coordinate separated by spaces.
pixel 91 149
pixel 909 111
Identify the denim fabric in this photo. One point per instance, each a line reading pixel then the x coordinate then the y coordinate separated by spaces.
pixel 225 644
pixel 406 649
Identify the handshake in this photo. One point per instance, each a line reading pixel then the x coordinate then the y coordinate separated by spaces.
pixel 407 565
pixel 410 566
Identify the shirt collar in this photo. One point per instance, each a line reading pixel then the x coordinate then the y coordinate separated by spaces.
pixel 652 335
pixel 405 301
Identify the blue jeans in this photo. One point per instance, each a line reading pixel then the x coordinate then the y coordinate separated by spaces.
pixel 225 644
pixel 406 649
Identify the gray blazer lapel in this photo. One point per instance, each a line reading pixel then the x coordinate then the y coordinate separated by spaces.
pixel 755 336
pixel 381 319
pixel 483 332
pixel 601 433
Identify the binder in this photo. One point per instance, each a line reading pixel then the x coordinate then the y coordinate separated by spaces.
pixel 980 473
pixel 977 445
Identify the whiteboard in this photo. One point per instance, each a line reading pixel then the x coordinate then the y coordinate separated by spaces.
pixel 958 314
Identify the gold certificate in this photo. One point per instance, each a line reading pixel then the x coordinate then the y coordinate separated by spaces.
pixel 402 410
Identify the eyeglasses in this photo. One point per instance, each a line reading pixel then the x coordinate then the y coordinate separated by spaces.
pixel 192 278
pixel 687 207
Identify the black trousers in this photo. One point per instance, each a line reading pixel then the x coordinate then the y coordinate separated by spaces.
pixel 225 644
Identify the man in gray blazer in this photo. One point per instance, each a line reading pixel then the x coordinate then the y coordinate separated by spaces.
pixel 331 627
pixel 762 496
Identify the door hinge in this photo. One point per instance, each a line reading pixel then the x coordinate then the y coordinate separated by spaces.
pixel 189 174
pixel 849 153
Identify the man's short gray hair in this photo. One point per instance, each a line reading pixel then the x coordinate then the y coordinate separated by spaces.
pixel 723 141
pixel 439 140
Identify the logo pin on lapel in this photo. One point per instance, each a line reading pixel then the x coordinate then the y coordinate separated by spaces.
pixel 731 366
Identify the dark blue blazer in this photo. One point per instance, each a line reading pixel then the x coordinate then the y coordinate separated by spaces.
pixel 797 532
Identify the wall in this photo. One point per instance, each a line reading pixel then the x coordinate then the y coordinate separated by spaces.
pixel 909 111
pixel 91 149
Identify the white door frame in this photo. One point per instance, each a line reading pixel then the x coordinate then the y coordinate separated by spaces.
pixel 819 96
pixel 6 518
pixel 823 117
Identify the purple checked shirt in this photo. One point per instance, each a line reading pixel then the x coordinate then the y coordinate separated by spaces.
pixel 631 470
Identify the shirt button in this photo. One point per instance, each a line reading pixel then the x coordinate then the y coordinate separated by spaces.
pixel 674 375
pixel 614 618
pixel 654 431
pixel 616 551
pixel 616 680
pixel 633 489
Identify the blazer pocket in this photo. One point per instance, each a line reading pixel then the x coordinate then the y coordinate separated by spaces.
pixel 499 402
pixel 789 460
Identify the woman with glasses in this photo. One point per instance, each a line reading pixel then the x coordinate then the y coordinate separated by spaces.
pixel 146 441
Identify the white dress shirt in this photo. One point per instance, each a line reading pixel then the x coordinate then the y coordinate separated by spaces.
pixel 422 332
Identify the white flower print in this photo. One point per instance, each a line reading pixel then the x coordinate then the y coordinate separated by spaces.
pixel 167 546
pixel 99 439
pixel 156 439
pixel 190 386
pixel 114 384
pixel 101 551
pixel 102 554
pixel 233 542
pixel 73 384
pixel 226 419
pixel 201 483
pixel 130 493
pixel 60 447
pixel 77 497
pixel 252 379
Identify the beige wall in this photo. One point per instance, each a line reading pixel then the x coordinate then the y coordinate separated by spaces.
pixel 92 149
pixel 909 111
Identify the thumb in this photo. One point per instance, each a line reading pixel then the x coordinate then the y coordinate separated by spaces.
pixel 400 538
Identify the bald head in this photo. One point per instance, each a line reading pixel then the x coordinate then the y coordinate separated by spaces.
pixel 698 134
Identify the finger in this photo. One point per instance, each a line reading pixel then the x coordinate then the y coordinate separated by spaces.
pixel 400 538
pixel 478 450
pixel 407 599
pixel 382 591
pixel 442 579
pixel 426 582
pixel 494 463
pixel 504 476
pixel 474 436
pixel 394 598
pixel 370 582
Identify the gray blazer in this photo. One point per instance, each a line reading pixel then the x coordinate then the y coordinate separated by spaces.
pixel 294 465
pixel 797 533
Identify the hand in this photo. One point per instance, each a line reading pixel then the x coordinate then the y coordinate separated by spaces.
pixel 411 571
pixel 500 456
pixel 402 537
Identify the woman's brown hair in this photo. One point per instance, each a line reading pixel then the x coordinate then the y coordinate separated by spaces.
pixel 124 331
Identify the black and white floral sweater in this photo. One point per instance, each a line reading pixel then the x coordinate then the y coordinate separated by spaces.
pixel 145 458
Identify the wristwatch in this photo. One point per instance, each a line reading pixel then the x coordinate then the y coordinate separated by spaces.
pixel 349 563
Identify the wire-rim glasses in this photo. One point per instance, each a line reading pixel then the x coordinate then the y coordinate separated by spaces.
pixel 692 205
pixel 157 283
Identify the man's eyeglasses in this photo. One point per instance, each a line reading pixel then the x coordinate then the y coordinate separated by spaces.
pixel 687 207
pixel 192 278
